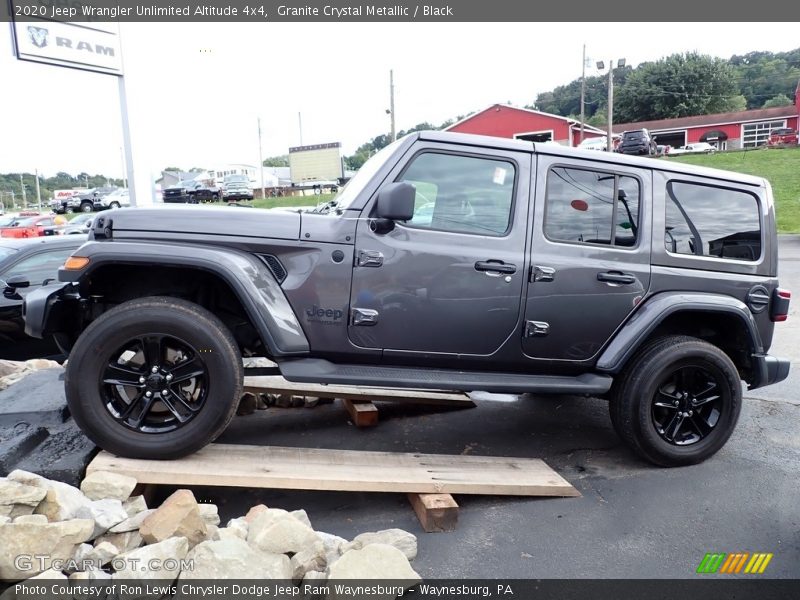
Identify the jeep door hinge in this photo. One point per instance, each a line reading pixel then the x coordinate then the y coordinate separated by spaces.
pixel 536 329
pixel 540 273
pixel 369 258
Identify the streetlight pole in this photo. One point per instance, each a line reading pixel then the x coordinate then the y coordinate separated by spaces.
pixel 24 197
pixel 391 103
pixel 583 90
pixel 261 160
pixel 38 191
pixel 609 141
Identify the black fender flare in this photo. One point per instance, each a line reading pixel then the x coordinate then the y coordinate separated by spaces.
pixel 250 279
pixel 656 309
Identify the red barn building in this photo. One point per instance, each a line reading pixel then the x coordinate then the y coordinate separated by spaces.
pixel 501 120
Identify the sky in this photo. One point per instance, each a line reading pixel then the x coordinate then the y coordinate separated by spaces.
pixel 196 90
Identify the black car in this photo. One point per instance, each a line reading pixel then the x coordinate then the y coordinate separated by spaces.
pixel 638 142
pixel 201 192
pixel 25 265
pixel 179 193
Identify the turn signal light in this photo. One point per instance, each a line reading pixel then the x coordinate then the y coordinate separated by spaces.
pixel 76 263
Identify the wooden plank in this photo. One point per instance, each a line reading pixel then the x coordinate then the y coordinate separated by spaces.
pixel 345 470
pixel 279 385
pixel 436 512
pixel 363 413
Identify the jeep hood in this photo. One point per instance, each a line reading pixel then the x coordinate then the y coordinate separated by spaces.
pixel 209 221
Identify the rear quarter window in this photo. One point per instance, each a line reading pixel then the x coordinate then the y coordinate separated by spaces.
pixel 714 222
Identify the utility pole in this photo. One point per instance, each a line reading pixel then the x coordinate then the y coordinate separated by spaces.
pixel 609 142
pixel 391 103
pixel 38 191
pixel 24 197
pixel 300 122
pixel 583 90
pixel 261 160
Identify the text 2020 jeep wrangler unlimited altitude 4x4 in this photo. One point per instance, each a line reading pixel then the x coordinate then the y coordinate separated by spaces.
pixel 449 261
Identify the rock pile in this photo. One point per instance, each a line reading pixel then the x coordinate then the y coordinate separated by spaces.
pixel 12 371
pixel 99 532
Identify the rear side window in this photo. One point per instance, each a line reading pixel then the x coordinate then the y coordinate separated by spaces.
pixel 580 207
pixel 464 194
pixel 705 220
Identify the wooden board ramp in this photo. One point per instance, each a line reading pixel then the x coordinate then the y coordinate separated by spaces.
pixel 232 465
pixel 279 385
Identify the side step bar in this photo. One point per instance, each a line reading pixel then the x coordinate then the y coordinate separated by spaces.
pixel 315 370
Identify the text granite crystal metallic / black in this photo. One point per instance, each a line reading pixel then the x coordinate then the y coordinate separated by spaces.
pixel 449 261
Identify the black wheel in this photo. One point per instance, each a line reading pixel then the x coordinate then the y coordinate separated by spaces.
pixel 155 378
pixel 113 205
pixel 87 207
pixel 677 402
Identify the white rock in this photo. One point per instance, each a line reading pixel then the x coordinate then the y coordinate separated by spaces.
pixel 241 526
pixel 227 533
pixel 5 520
pixel 136 563
pixel 130 540
pixel 280 534
pixel 17 498
pixel 210 513
pixel 302 516
pixel 134 505
pixel 106 513
pixel 102 553
pixel 54 541
pixel 235 559
pixel 132 523
pixel 50 574
pixel 375 561
pixel 40 519
pixel 37 364
pixel 309 559
pixel 334 546
pixel 61 501
pixel 179 515
pixel 402 540
pixel 100 485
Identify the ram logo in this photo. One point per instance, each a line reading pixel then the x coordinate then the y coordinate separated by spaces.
pixel 38 36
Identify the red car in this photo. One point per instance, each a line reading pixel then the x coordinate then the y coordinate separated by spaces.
pixel 29 227
pixel 785 136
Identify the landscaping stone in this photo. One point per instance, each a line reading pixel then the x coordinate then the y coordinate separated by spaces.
pixel 105 513
pixel 273 532
pixel 137 563
pixel 179 515
pixel 54 541
pixel 235 559
pixel 61 502
pixel 134 505
pixel 40 519
pixel 130 540
pixel 17 499
pixel 240 525
pixel 334 546
pixel 132 523
pixel 312 558
pixel 254 512
pixel 375 561
pixel 102 553
pixel 101 485
pixel 302 516
pixel 402 540
pixel 210 513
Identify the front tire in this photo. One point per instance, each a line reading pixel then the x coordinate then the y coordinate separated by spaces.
pixel 154 378
pixel 113 205
pixel 677 402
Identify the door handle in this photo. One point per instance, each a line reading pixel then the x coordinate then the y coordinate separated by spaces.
pixel 495 266
pixel 616 277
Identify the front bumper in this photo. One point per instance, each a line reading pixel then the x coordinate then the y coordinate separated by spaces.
pixel 769 370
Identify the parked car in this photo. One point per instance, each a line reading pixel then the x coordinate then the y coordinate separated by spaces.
pixel 663 149
pixel 85 201
pixel 695 148
pixel 652 284
pixel 116 199
pixel 178 193
pixel 236 187
pixel 202 192
pixel 782 138
pixel 26 265
pixel 28 227
pixel 81 224
pixel 594 143
pixel 638 142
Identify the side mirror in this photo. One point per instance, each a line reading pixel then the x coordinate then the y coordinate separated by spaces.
pixel 396 201
pixel 18 281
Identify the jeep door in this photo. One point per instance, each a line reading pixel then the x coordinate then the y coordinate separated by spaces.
pixel 449 280
pixel 590 255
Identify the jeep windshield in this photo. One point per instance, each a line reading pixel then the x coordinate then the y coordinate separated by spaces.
pixel 356 185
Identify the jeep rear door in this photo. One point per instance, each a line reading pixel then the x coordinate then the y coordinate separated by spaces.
pixel 450 280
pixel 590 255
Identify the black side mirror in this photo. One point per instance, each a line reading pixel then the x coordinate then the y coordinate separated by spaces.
pixel 18 281
pixel 396 201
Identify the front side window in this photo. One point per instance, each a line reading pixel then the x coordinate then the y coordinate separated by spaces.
pixel 592 207
pixel 463 194
pixel 705 220
pixel 40 266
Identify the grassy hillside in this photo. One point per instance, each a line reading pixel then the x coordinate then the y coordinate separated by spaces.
pixel 780 166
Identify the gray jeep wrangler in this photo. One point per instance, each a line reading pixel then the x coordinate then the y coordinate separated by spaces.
pixel 449 261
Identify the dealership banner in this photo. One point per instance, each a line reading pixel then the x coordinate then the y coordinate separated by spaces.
pixel 711 11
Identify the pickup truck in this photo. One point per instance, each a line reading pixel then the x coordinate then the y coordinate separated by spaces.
pixel 449 261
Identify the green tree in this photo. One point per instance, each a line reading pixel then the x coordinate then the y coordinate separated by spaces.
pixel 277 161
pixel 779 100
pixel 679 85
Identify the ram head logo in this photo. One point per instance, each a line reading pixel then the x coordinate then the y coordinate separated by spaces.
pixel 38 36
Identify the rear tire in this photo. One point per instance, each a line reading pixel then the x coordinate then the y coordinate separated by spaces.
pixel 677 402
pixel 196 368
pixel 113 205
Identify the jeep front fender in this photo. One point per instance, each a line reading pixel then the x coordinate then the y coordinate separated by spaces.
pixel 653 312
pixel 248 277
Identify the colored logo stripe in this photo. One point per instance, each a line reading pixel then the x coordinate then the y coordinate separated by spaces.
pixel 733 563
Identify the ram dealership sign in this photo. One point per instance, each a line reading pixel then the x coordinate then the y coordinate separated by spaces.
pixel 91 47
